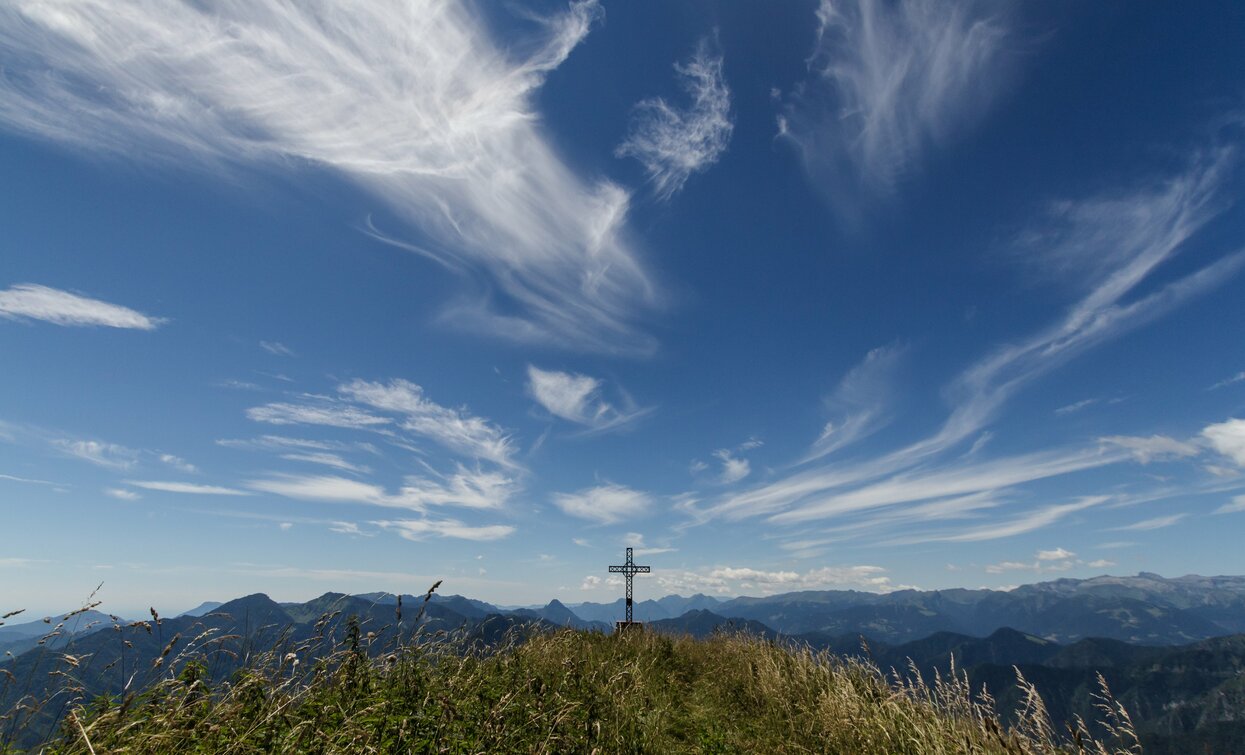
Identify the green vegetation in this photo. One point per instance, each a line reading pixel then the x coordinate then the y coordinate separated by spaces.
pixel 566 691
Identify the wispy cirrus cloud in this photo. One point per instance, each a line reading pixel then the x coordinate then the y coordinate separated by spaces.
pixel 1237 378
pixel 671 142
pixel 605 504
pixel 419 529
pixel 276 348
pixel 1155 447
pixel 1161 218
pixel 578 398
pixel 859 401
pixel 416 103
pixel 1235 506
pixel 100 453
pixel 184 487
pixel 463 488
pixel 733 580
pixel 1029 521
pixel 1156 523
pixel 28 301
pixel 455 429
pixel 891 80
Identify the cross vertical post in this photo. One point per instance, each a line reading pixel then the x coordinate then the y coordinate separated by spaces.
pixel 628 570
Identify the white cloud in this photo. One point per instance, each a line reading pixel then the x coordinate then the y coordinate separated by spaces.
pixel 286 526
pixel 591 582
pixel 179 463
pixel 455 429
pixel 581 542
pixel 730 580
pixel 1057 554
pixel 1237 378
pixel 1155 226
pixel 464 488
pixel 184 487
pixel 97 452
pixel 418 529
pixel 1101 563
pixel 122 494
pixel 327 459
pixel 673 143
pixel 1236 505
pixel 1158 522
pixel 576 398
pixel 415 102
pixel 635 540
pixel 1045 561
pixel 27 480
pixel 1029 521
pixel 734 469
pixel 1228 438
pixel 34 302
pixel 605 504
pixel 346 528
pixel 276 348
pixel 1076 407
pixel 1156 447
pixel 859 401
pixel 329 415
pixel 890 80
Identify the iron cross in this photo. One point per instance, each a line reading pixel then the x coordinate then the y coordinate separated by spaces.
pixel 629 570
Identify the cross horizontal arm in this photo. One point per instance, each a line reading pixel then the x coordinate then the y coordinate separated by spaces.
pixel 641 569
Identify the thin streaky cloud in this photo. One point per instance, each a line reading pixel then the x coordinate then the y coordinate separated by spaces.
pixel 276 348
pixel 28 480
pixel 1027 522
pixel 328 460
pixel 671 142
pixel 1158 522
pixel 1076 406
pixel 417 103
pixel 455 429
pixel 184 487
pixel 464 488
pixel 28 301
pixel 859 402
pixel 1237 378
pixel 419 529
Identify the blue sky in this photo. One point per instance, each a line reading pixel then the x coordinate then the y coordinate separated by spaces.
pixel 296 297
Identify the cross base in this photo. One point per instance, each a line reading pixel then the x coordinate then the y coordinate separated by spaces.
pixel 628 626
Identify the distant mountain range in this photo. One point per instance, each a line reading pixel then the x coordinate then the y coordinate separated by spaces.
pixel 1162 644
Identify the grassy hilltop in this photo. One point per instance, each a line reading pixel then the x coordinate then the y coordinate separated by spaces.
pixel 566 691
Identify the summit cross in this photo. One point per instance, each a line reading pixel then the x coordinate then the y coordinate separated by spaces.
pixel 628 570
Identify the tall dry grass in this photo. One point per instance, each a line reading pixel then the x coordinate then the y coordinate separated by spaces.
pixel 565 691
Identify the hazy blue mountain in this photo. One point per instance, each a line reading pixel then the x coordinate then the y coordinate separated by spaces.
pixel 677 605
pixel 608 613
pixel 51 631
pixel 1146 609
pixel 205 607
pixel 559 615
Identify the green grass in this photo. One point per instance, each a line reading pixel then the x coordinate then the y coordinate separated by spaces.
pixel 571 692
